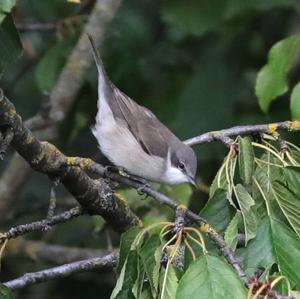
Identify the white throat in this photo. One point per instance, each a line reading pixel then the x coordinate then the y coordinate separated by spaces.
pixel 173 175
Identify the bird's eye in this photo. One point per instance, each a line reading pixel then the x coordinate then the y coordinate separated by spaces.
pixel 180 165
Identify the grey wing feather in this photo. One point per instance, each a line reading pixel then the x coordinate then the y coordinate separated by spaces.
pixel 143 124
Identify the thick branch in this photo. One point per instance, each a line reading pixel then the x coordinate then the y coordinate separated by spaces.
pixel 61 97
pixel 243 130
pixel 105 262
pixel 95 196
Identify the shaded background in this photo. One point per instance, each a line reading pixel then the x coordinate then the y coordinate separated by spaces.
pixel 193 63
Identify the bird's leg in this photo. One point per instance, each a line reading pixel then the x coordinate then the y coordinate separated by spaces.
pixel 111 168
pixel 121 171
pixel 144 183
pixel 137 179
pixel 140 190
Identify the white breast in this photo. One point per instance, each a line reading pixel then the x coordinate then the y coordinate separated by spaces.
pixel 120 147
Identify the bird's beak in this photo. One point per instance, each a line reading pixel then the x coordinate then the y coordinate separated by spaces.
pixel 192 181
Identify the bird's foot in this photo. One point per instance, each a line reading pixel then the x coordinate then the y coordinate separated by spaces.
pixel 110 168
pixel 137 179
pixel 121 171
pixel 140 190
pixel 144 183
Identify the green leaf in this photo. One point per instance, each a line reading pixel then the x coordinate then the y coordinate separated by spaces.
pixel 7 5
pixel 212 278
pixel 11 47
pixel 265 176
pixel 127 239
pixel 246 202
pixel 259 252
pixel 296 155
pixel 276 243
pixel 231 232
pixel 295 102
pixel 146 294
pixel 218 210
pixel 289 204
pixel 5 8
pixel 127 278
pixel 50 66
pixel 219 181
pixel 5 293
pixel 286 250
pixel 246 159
pixel 171 283
pixel 292 177
pixel 140 279
pixel 181 193
pixel 271 80
pixel 151 254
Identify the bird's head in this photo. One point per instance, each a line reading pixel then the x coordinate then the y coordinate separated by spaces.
pixel 182 165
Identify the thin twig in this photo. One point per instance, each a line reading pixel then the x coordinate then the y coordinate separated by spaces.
pixel 106 262
pixel 243 130
pixel 52 203
pixel 42 225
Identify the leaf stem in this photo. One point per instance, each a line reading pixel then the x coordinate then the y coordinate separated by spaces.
pixel 269 150
pixel 189 247
pixel 263 195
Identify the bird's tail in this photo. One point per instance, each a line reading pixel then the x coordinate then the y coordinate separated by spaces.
pixel 97 58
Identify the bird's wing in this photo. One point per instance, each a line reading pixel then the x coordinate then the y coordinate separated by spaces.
pixel 142 123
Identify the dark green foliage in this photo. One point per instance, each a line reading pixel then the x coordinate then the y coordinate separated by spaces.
pixel 218 210
pixel 197 65
pixel 211 277
pixel 11 47
pixel 5 293
pixel 272 80
pixel 246 160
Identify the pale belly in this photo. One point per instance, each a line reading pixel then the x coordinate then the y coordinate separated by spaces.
pixel 122 149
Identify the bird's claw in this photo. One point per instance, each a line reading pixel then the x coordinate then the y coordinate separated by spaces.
pixel 140 190
pixel 109 169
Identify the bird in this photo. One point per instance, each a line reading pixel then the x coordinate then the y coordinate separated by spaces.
pixel 133 138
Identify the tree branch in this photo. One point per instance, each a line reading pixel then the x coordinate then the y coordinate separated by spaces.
pixel 61 97
pixel 42 225
pixel 95 196
pixel 163 199
pixel 106 262
pixel 243 130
